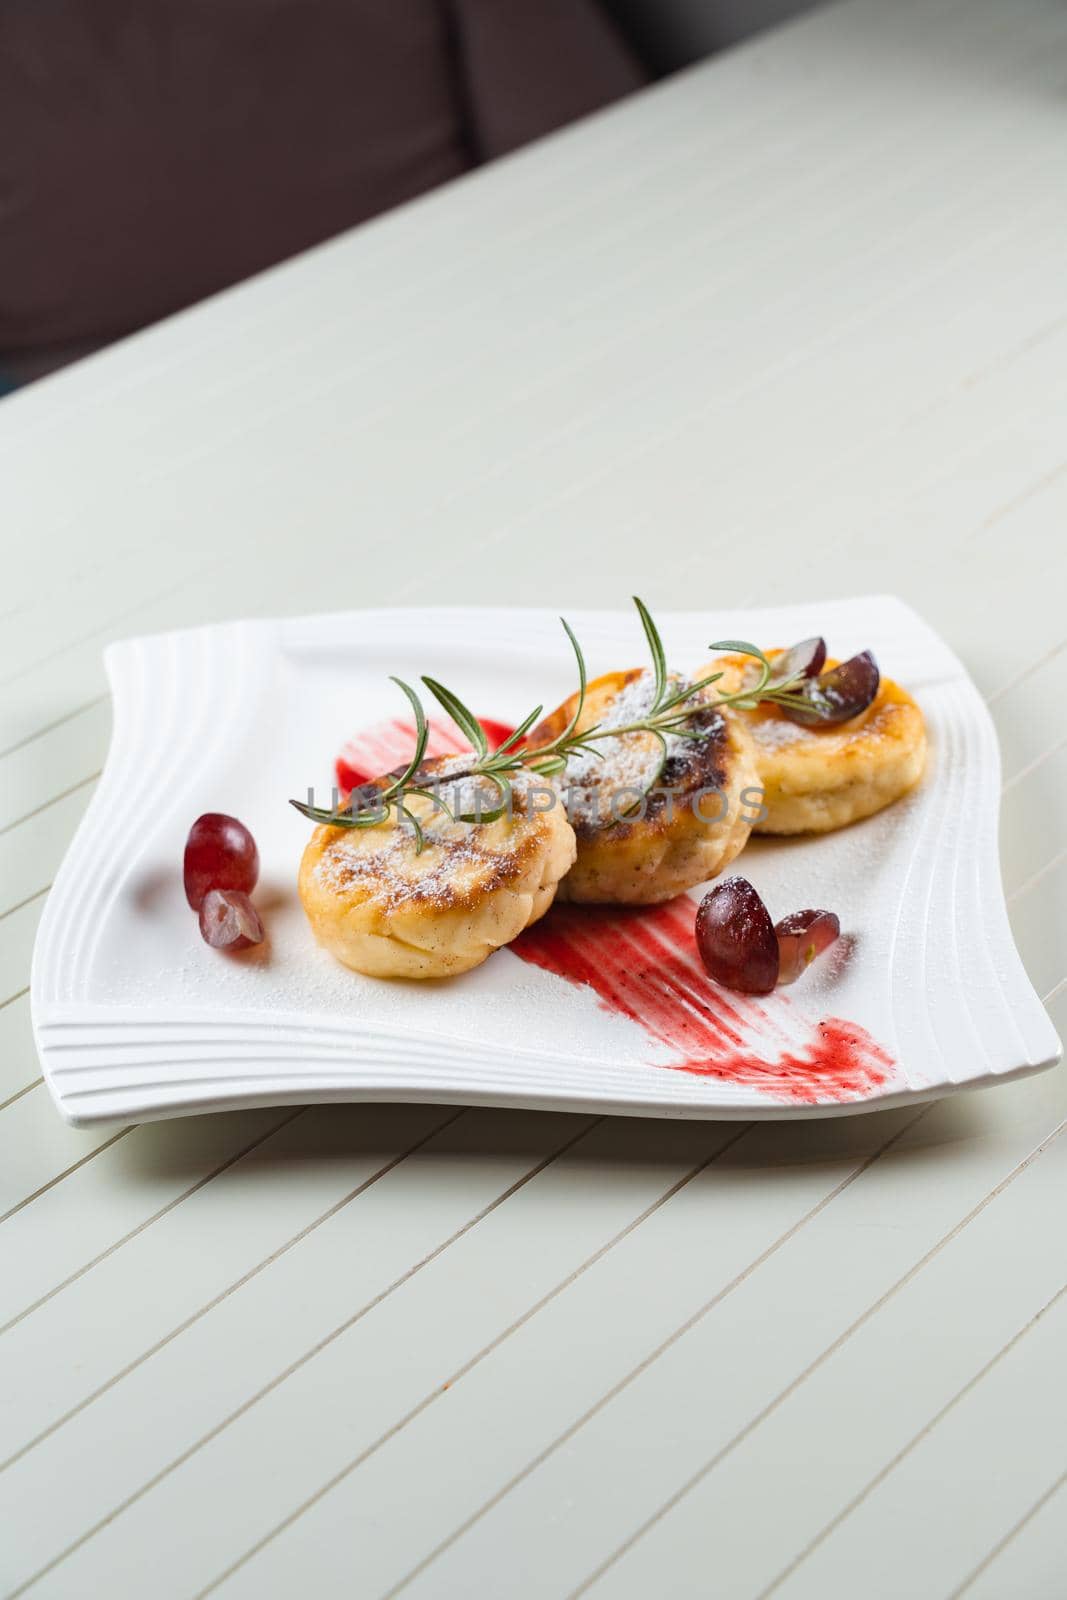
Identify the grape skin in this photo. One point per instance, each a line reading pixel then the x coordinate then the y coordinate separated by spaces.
pixel 802 936
pixel 742 949
pixel 736 938
pixel 220 853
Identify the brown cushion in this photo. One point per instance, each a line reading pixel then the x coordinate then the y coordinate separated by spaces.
pixel 152 151
pixel 533 65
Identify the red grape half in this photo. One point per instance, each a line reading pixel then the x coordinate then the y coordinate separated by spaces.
pixel 803 660
pixel 837 695
pixel 229 920
pixel 802 936
pixel 736 938
pixel 220 853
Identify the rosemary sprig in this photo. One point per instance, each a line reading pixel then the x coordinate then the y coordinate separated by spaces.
pixel 671 712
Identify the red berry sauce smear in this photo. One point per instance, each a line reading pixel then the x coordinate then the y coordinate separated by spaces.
pixel 389 744
pixel 643 964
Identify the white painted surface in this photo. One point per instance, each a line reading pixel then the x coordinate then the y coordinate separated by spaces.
pixel 792 325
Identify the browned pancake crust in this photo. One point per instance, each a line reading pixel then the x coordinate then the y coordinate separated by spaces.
pixel 642 860
pixel 390 911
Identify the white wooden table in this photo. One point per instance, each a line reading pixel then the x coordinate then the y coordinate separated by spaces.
pixel 792 325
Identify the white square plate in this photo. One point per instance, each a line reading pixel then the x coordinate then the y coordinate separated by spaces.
pixel 136 1018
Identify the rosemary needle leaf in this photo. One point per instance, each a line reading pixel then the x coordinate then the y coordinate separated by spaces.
pixel 741 647
pixel 479 814
pixel 520 732
pixel 341 819
pixel 431 795
pixel 687 693
pixel 579 707
pixel 421 735
pixel 507 794
pixel 416 827
pixel 461 715
pixel 672 713
pixel 317 814
pixel 655 645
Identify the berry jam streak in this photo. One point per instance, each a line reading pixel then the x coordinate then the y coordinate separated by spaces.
pixel 642 963
pixel 389 744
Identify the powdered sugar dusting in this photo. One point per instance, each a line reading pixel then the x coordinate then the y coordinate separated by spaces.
pixel 381 865
pixel 458 859
pixel 603 786
pixel 778 733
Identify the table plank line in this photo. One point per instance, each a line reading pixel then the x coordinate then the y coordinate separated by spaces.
pixel 889 506
pixel 50 727
pixel 86 638
pixel 147 1222
pixel 1054 993
pixel 1035 878
pixel 871 1311
pixel 739 1278
pixel 486 1350
pixel 74 1167
pixel 37 1083
pixel 335 1333
pixel 879 1477
pixel 667 435
pixel 231 1288
pixel 1032 766
pixel 1039 484
pixel 54 800
pixel 32 1064
pixel 1006 1539
pixel 21 904
pixel 1035 666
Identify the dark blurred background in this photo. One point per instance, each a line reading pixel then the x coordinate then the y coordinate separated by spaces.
pixel 154 151
pixel 668 34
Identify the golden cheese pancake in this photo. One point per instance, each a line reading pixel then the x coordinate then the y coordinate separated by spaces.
pixel 818 778
pixel 390 912
pixel 651 823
